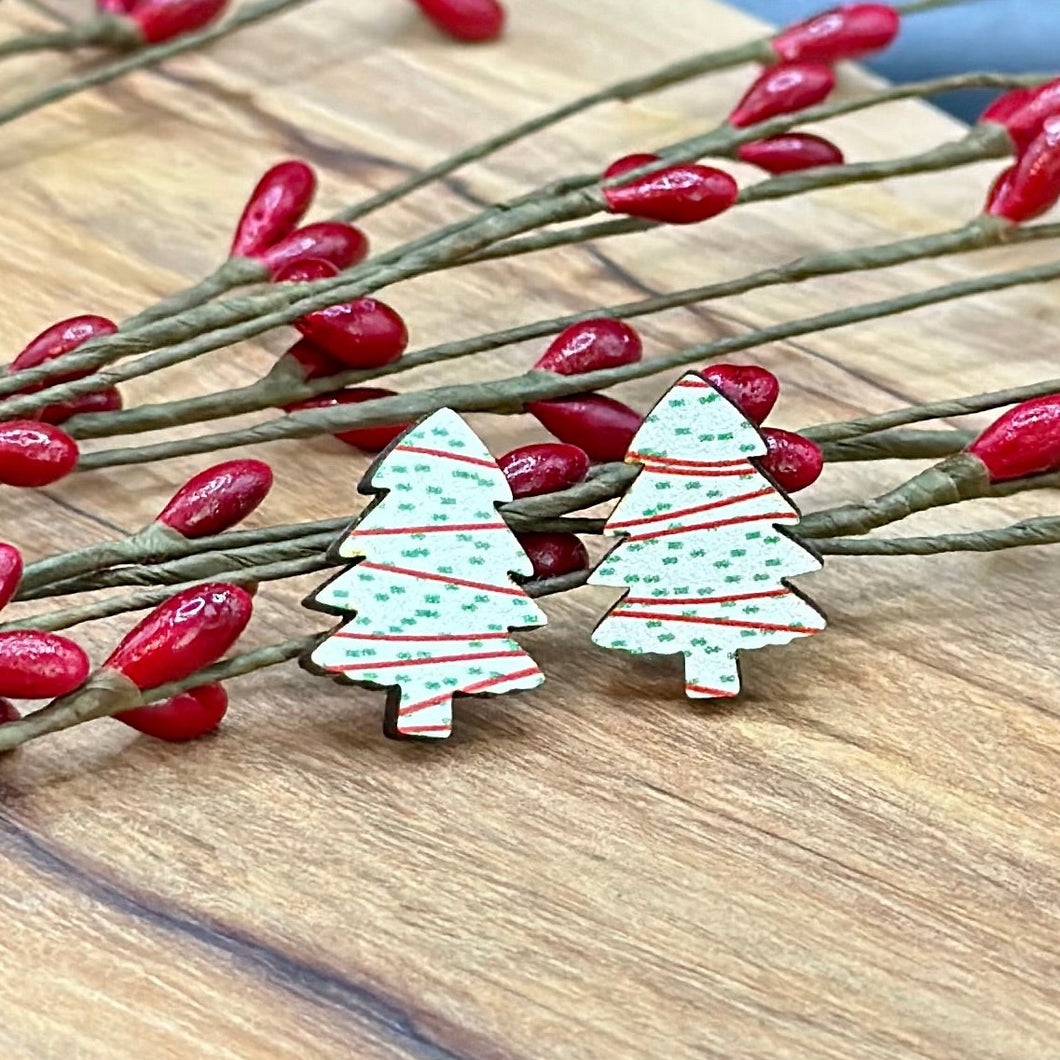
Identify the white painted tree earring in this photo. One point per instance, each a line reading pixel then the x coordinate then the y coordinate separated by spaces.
pixel 429 597
pixel 703 559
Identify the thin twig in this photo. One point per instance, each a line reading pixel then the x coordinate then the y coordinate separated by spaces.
pixel 220 324
pixel 157 554
pixel 284 386
pixel 109 695
pixel 1041 531
pixel 898 445
pixel 509 396
pixel 150 56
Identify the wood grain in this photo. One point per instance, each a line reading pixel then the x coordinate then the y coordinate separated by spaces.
pixel 859 859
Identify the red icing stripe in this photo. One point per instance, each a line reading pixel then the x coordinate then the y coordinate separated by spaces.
pixel 477 460
pixel 655 616
pixel 416 638
pixel 716 693
pixel 672 461
pixel 508 590
pixel 439 659
pixel 667 516
pixel 409 730
pixel 455 527
pixel 706 471
pixel 734 521
pixel 671 600
pixel 480 686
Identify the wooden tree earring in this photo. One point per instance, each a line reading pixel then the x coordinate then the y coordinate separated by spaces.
pixel 703 557
pixel 428 595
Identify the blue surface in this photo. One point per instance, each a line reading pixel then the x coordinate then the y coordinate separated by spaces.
pixel 1005 35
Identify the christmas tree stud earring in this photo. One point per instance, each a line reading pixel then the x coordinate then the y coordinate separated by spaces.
pixel 428 597
pixel 703 558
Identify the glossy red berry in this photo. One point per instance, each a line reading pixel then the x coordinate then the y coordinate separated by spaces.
pixel 59 339
pixel 846 32
pixel 368 439
pixel 1032 186
pixel 190 630
pixel 793 462
pixel 554 554
pixel 783 89
pixel 1024 111
pixel 10 573
pixel 161 20
pixel 276 205
pixel 466 20
pixel 35 665
pixel 790 153
pixel 8 711
pixel 34 454
pixel 591 345
pixel 308 271
pixel 116 7
pixel 181 717
pixel 106 400
pixel 341 244
pixel 600 425
pixel 627 163
pixel 752 389
pixel 365 333
pixel 680 195
pixel 1023 441
pixel 1006 105
pixel 544 467
pixel 313 362
pixel 217 498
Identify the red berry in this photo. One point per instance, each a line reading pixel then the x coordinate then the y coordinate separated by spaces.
pixel 1023 441
pixel 752 389
pixel 1006 105
pixel 34 454
pixel 591 345
pixel 601 426
pixel 181 717
pixel 545 467
pixel 628 162
pixel 276 205
pixel 554 554
pixel 35 665
pixel 1032 186
pixel 783 89
pixel 1024 111
pixel 190 630
pixel 308 271
pixel 847 32
pixel 467 20
pixel 217 498
pixel 369 439
pixel 791 152
pixel 10 573
pixel 793 462
pixel 342 245
pixel 313 362
pixel 60 339
pixel 363 334
pixel 8 711
pixel 116 7
pixel 160 20
pixel 107 400
pixel 680 195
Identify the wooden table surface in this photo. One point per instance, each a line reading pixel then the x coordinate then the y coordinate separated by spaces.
pixel 857 860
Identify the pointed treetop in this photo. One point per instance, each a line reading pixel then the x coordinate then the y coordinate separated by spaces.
pixel 695 424
pixel 440 439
